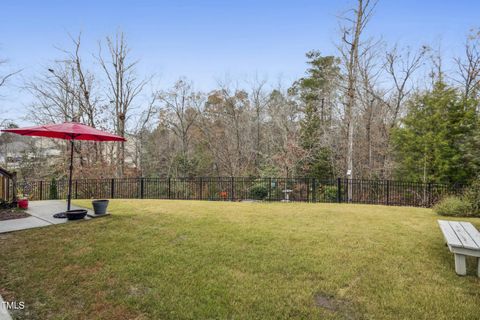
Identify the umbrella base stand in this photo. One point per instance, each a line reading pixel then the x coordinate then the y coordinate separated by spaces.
pixel 60 215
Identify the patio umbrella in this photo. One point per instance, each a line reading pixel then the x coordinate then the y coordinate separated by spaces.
pixel 69 131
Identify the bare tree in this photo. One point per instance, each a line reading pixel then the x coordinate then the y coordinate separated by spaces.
pixel 349 49
pixel 227 128
pixel 282 134
pixel 183 106
pixel 88 103
pixel 124 86
pixel 383 103
pixel 54 94
pixel 469 66
pixel 4 77
pixel 372 111
pixel 140 132
pixel 68 91
pixel 401 66
pixel 259 102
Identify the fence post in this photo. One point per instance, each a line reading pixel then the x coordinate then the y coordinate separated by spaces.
pixel 112 188
pixel 41 190
pixel 429 195
pixel 232 197
pixel 270 189
pixel 169 187
pixel 201 188
pixel 314 190
pixel 4 189
pixel 76 189
pixel 339 187
pixel 388 192
pixel 307 182
pixel 142 187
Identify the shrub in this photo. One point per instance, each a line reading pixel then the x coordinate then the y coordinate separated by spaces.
pixel 258 192
pixel 454 206
pixel 472 196
pixel 330 193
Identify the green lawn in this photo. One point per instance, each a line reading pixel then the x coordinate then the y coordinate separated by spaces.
pixel 159 259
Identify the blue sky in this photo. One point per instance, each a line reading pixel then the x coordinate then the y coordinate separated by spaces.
pixel 207 40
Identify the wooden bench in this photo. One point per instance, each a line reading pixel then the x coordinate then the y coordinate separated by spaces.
pixel 463 239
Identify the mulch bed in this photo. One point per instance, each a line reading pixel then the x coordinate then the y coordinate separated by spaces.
pixel 12 213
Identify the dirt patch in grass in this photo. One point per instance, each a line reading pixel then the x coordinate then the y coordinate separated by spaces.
pixel 327 302
pixel 12 213
pixel 138 291
pixel 336 305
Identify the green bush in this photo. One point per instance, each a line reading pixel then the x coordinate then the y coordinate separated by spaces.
pixel 330 193
pixel 258 192
pixel 454 206
pixel 472 196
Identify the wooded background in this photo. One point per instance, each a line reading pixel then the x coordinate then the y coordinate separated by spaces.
pixel 374 110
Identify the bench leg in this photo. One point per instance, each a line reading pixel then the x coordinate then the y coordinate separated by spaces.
pixel 460 264
pixel 478 267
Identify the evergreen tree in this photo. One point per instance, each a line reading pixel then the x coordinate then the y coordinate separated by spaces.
pixel 315 92
pixel 435 141
pixel 53 190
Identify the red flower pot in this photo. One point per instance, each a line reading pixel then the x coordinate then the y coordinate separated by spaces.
pixel 23 203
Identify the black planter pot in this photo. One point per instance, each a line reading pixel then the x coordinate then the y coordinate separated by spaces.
pixel 76 214
pixel 100 206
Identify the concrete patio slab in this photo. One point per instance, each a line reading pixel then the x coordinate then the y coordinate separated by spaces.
pixel 4 315
pixel 21 224
pixel 45 210
pixel 41 215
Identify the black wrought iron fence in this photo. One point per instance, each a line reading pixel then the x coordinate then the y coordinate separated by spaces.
pixel 385 192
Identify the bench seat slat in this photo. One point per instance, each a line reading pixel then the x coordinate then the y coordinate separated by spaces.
pixel 472 232
pixel 449 234
pixel 464 237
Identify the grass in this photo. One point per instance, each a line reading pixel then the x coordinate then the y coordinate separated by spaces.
pixel 158 259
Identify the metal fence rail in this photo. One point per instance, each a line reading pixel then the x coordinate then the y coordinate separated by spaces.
pixel 385 192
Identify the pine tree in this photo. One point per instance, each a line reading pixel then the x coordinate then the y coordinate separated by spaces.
pixel 431 143
pixel 314 92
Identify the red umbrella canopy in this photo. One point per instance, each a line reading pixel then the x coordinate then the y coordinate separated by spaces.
pixel 67 131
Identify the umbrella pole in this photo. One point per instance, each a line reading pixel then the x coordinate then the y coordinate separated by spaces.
pixel 69 198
